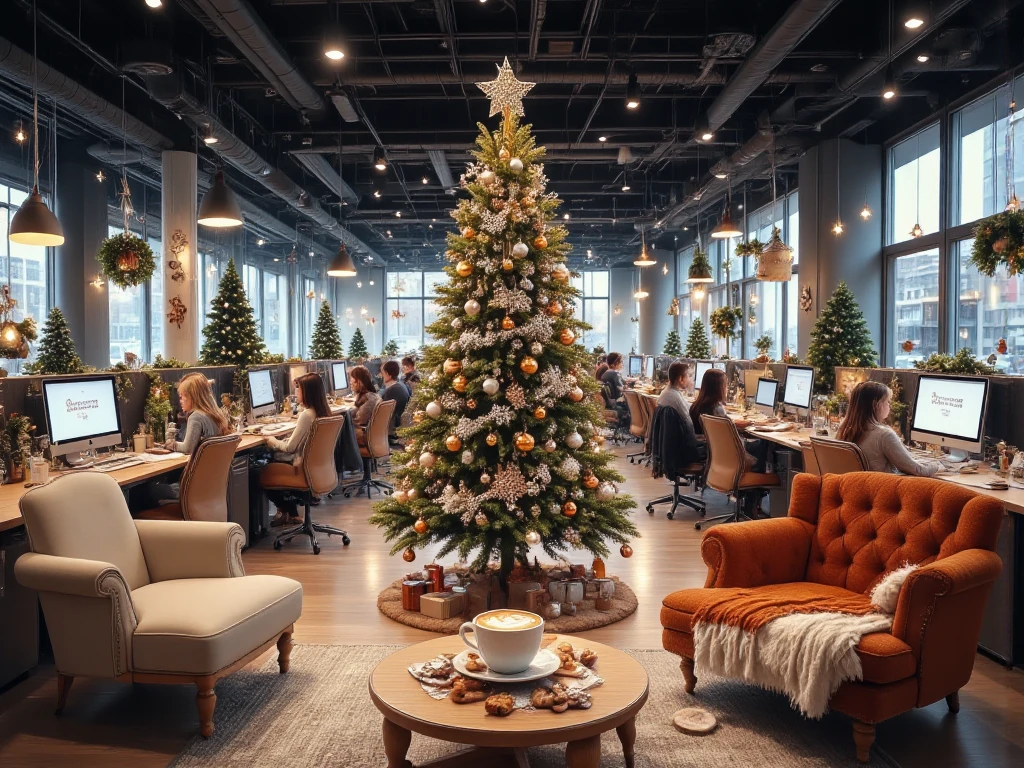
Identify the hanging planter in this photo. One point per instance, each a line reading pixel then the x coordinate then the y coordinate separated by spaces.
pixel 998 241
pixel 700 268
pixel 723 322
pixel 126 260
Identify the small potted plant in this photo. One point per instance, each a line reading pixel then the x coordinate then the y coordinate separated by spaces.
pixel 763 345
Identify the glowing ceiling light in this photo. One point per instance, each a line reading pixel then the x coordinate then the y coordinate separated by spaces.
pixel 913 22
pixel 865 212
pixel 837 228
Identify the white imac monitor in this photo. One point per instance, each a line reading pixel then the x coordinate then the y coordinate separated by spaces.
pixel 799 386
pixel 766 392
pixel 698 374
pixel 339 376
pixel 636 365
pixel 648 367
pixel 950 411
pixel 261 393
pixel 81 414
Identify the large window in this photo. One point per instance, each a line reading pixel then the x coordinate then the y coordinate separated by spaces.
pixel 990 309
pixel 309 311
pixel 594 310
pixel 127 317
pixel 252 278
pixel 411 308
pixel 914 184
pixel 915 290
pixel 23 267
pixel 156 300
pixel 275 313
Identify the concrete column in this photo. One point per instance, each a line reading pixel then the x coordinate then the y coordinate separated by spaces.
pixel 856 255
pixel 179 193
pixel 621 330
pixel 81 204
pixel 655 322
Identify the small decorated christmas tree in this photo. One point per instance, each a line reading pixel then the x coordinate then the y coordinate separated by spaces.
pixel 673 344
pixel 57 352
pixel 357 347
pixel 326 344
pixel 698 347
pixel 390 349
pixel 840 337
pixel 231 335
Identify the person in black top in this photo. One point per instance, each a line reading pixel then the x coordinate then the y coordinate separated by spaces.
pixel 614 385
pixel 394 390
pixel 410 376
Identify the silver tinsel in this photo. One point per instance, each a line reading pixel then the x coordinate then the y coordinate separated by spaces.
pixel 493 221
pixel 508 485
pixel 500 415
pixel 526 270
pixel 542 300
pixel 577 493
pixel 451 401
pixel 520 515
pixel 454 347
pixel 572 536
pixel 532 489
pixel 569 469
pixel 457 323
pixel 553 384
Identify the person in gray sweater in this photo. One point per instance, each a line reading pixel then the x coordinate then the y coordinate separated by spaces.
pixel 864 425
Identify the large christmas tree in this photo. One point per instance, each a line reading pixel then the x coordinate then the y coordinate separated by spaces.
pixel 326 344
pixel 673 344
pixel 504 451
pixel 840 337
pixel 357 347
pixel 698 347
pixel 57 352
pixel 231 335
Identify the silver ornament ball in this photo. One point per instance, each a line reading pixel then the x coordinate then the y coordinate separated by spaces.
pixel 472 307
pixel 427 459
pixel 485 479
pixel 574 440
pixel 433 409
pixel 490 386
pixel 550 446
pixel 605 492
pixel 533 538
pixel 515 164
pixel 519 250
pixel 467 457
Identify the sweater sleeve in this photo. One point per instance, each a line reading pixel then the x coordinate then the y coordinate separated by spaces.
pixel 193 434
pixel 898 456
pixel 298 435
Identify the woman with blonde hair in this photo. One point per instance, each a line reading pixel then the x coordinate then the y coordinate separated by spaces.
pixel 366 399
pixel 205 417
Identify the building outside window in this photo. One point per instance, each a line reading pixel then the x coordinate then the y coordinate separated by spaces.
pixel 410 308
pixel 275 313
pixel 914 183
pixel 23 267
pixel 990 309
pixel 915 292
pixel 594 307
pixel 127 308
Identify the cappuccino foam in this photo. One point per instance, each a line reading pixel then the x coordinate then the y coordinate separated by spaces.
pixel 508 620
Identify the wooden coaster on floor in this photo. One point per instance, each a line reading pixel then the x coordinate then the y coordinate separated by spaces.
pixel 694 721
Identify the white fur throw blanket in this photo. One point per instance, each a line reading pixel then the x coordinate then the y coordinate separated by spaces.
pixel 806 656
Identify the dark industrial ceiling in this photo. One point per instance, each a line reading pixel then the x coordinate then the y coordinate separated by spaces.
pixel 297 131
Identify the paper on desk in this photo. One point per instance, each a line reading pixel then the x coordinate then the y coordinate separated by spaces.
pixel 153 458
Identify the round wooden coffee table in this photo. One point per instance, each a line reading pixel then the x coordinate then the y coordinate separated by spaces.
pixel 407 708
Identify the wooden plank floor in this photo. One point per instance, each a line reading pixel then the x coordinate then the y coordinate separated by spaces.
pixel 109 724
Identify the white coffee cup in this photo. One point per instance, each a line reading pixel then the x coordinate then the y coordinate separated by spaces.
pixel 507 639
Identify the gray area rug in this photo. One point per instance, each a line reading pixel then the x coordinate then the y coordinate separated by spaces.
pixel 320 714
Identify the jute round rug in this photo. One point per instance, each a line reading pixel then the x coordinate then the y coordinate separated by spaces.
pixel 624 602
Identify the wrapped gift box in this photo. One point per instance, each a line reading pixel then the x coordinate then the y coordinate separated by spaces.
pixel 443 605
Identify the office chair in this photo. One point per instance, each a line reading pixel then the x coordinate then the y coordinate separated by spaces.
pixel 377 448
pixel 837 457
pixel 204 484
pixel 691 474
pixel 315 475
pixel 810 462
pixel 637 427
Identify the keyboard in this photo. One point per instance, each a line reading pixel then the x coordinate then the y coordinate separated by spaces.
pixel 112 465
pixel 277 429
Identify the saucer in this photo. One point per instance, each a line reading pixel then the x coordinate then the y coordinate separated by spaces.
pixel 544 664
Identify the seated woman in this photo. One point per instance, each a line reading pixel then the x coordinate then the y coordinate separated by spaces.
pixel 614 385
pixel 710 401
pixel 865 425
pixel 309 391
pixel 366 400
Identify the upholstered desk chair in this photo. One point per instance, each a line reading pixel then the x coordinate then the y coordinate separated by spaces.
pixel 147 601
pixel 315 474
pixel 843 533
pixel 810 462
pixel 637 422
pixel 837 457
pixel 727 468
pixel 377 447
pixel 204 484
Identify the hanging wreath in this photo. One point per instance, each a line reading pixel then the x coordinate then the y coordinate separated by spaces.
pixel 723 322
pixel 126 260
pixel 998 240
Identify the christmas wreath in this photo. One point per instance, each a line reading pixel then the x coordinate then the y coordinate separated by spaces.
pixel 723 321
pixel 126 260
pixel 999 239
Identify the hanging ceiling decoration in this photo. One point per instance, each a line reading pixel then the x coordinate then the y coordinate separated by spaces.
pixel 341 265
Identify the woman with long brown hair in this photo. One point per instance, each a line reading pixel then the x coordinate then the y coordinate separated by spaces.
pixel 366 399
pixel 710 401
pixel 864 425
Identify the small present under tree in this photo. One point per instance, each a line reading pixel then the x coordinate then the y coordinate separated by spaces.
pixel 698 347
pixel 840 338
pixel 357 347
pixel 326 344
pixel 673 344
pixel 56 352
pixel 231 334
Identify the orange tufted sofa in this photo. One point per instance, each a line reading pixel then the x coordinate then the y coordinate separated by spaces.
pixel 842 533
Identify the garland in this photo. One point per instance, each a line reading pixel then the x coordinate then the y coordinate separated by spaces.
pixel 723 321
pixel 126 260
pixel 999 240
pixel 751 248
pixel 962 362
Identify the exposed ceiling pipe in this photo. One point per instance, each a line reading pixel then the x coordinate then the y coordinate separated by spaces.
pixel 319 167
pixel 567 77
pixel 538 12
pixel 799 19
pixel 441 168
pixel 244 27
pixel 760 142
pixel 17 65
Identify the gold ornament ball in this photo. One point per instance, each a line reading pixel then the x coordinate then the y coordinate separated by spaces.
pixel 492 439
pixel 507 265
pixel 566 336
pixel 504 155
pixel 550 446
pixel 554 307
pixel 420 526
pixel 539 412
pixel 412 494
pixel 469 233
pixel 399 496
pixel 459 383
pixel 560 273
pixel 528 365
pixel 524 441
pixel 409 555
pixel 464 269
pixel 590 481
pixel 576 394
pixel 569 508
pixel 471 404
pixel 533 538
pixel 626 551
pixel 507 323
pixel 540 242
pixel 453 443
pixel 451 367
pixel 417 417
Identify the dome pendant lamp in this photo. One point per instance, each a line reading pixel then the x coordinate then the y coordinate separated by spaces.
pixel 220 208
pixel 726 228
pixel 35 223
pixel 341 265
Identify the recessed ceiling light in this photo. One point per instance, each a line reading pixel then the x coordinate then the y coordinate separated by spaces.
pixel 334 54
pixel 565 216
pixel 398 214
pixel 913 22
pixel 602 138
pixel 376 193
pixel 720 175
pixel 154 3
pixel 707 136
pixel 625 187
pixel 425 180
pixel 922 57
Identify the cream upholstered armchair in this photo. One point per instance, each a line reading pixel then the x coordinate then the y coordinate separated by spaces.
pixel 151 601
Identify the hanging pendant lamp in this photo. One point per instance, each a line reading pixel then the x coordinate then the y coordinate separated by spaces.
pixel 220 208
pixel 342 265
pixel 644 259
pixel 726 228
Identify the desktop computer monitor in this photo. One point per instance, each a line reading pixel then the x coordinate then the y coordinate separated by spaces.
pixel 950 411
pixel 750 379
pixel 261 393
pixel 799 386
pixel 648 367
pixel 766 392
pixel 698 374
pixel 81 414
pixel 339 376
pixel 636 366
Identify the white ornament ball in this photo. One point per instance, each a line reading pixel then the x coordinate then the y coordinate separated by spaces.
pixel 412 494
pixel 427 459
pixel 550 446
pixel 574 441
pixel 467 457
pixel 519 250
pixel 486 177
pixel 433 409
pixel 605 492
pixel 472 307
pixel 515 164
pixel 491 386
pixel 533 538
pixel 485 479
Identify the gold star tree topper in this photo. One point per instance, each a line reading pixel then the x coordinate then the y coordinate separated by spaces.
pixel 505 91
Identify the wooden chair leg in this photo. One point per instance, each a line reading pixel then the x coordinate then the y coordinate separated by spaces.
pixel 690 679
pixel 63 686
pixel 953 702
pixel 863 737
pixel 206 701
pixel 284 651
